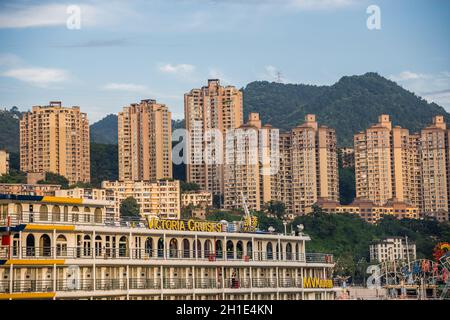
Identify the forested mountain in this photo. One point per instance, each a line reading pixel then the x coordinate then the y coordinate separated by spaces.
pixel 350 105
pixel 9 129
pixel 105 130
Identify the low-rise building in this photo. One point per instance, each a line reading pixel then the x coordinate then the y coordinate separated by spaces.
pixel 4 162
pixel 369 211
pixel 197 198
pixel 159 198
pixel 29 189
pixel 93 194
pixel 393 248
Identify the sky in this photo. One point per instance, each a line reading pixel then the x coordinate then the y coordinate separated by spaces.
pixel 102 55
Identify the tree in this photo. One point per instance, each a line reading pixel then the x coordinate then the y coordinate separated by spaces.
pixel 54 178
pixel 81 185
pixel 14 176
pixel 189 186
pixel 104 163
pixel 277 208
pixel 129 208
pixel 217 200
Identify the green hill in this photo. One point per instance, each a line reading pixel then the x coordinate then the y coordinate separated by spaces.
pixel 9 129
pixel 350 105
pixel 105 130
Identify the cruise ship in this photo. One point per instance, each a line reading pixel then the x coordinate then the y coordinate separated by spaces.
pixel 66 248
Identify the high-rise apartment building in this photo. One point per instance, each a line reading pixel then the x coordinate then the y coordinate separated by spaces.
pixel 391 163
pixel 145 142
pixel 308 166
pixel 55 139
pixel 4 162
pixel 213 107
pixel 251 164
pixel 434 149
pixel 386 163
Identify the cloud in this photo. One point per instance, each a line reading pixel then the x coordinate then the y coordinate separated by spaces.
pixel 406 75
pixel 40 77
pixel 130 87
pixel 434 87
pixel 272 73
pixel 177 69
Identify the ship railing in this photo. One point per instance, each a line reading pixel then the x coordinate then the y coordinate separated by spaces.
pixel 140 283
pixel 319 258
pixel 236 283
pixel 111 284
pixel 208 283
pixel 177 283
pixel 72 218
pixel 289 283
pixel 74 284
pixel 27 285
pixel 97 252
pixel 264 282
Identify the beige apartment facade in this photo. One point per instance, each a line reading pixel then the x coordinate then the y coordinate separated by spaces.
pixel 145 142
pixel 392 248
pixel 212 107
pixel 159 199
pixel 308 166
pixel 93 194
pixel 251 164
pixel 370 211
pixel 55 139
pixel 4 162
pixel 391 163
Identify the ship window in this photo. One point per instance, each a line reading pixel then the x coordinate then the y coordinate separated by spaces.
pixel 149 246
pixel 230 249
pixel 61 245
pixel 208 247
pixel 98 215
pixel 219 250
pixel 123 243
pixel 98 246
pixel 239 250
pixel 269 251
pixel 249 249
pixel 56 213
pixel 186 248
pixel 173 248
pixel 30 245
pixel 87 245
pixel 43 213
pixel 160 248
pixel 45 245
pixel 288 251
